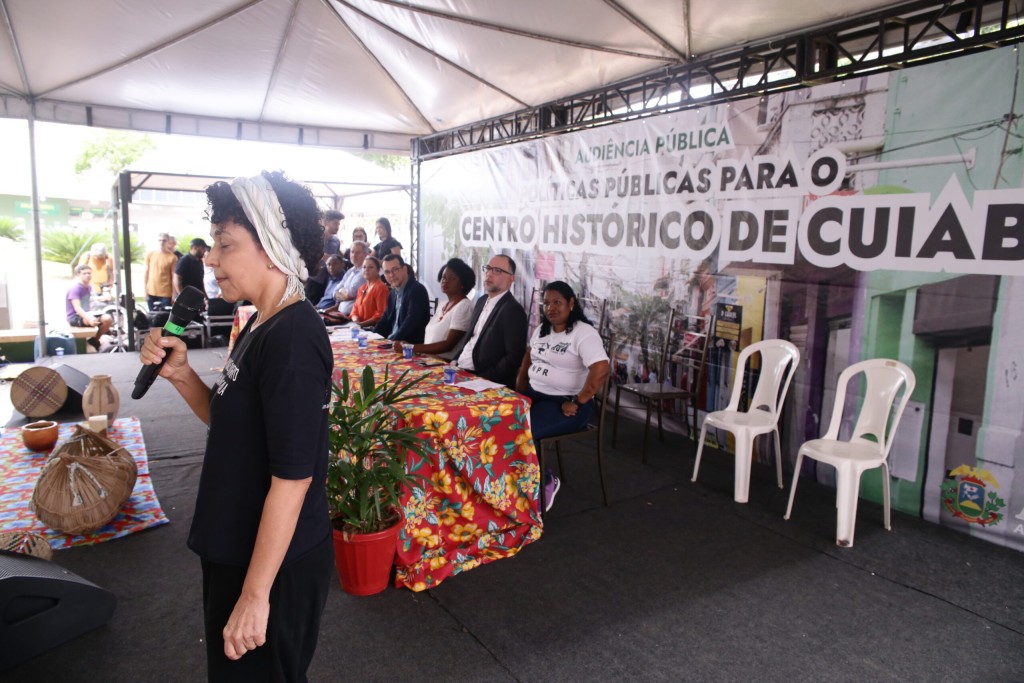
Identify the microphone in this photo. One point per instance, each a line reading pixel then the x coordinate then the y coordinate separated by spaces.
pixel 188 303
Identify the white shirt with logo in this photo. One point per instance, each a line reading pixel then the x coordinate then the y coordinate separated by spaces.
pixel 560 362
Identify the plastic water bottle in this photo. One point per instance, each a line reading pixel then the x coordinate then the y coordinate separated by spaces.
pixel 60 351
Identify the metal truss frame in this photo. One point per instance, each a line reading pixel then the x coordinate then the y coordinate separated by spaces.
pixel 904 35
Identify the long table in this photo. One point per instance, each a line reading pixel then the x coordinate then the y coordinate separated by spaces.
pixel 481 502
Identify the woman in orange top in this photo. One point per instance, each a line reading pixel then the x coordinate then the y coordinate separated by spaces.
pixel 371 299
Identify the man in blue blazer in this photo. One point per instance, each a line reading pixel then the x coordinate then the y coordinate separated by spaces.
pixel 408 310
pixel 497 340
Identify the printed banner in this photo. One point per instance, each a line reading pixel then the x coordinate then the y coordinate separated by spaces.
pixel 878 217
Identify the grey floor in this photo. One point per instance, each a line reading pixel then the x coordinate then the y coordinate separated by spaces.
pixel 672 582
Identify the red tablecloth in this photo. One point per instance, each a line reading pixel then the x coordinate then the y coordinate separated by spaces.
pixel 19 472
pixel 482 502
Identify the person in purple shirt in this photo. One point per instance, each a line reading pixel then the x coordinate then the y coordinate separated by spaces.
pixel 77 308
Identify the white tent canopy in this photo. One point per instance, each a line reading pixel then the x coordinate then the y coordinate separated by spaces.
pixel 367 74
pixel 355 74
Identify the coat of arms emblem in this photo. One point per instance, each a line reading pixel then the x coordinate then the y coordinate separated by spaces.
pixel 968 493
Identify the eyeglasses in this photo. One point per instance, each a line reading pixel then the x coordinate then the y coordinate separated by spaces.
pixel 392 271
pixel 495 270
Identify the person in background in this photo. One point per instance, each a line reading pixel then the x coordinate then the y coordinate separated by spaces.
pixel 188 272
pixel 332 223
pixel 371 300
pixel 563 370
pixel 333 283
pixel 316 284
pixel 352 280
pixel 494 347
pixel 387 244
pixel 408 308
pixel 451 321
pixel 159 272
pixel 77 306
pixel 102 269
pixel 261 526
pixel 210 285
pixel 358 235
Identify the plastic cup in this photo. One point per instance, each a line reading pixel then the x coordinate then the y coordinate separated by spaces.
pixel 362 341
pixel 449 374
pixel 355 331
pixel 407 351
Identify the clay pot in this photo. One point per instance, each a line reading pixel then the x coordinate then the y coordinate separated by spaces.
pixel 39 436
pixel 101 398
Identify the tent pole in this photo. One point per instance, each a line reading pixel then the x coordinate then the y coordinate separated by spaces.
pixel 414 208
pixel 124 192
pixel 36 231
pixel 116 243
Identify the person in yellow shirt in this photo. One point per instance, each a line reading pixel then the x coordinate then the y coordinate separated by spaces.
pixel 159 273
pixel 102 266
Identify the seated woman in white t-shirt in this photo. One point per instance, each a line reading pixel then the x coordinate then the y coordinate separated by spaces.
pixel 451 321
pixel 565 366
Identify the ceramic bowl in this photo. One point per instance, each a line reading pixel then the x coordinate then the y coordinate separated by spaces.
pixel 40 436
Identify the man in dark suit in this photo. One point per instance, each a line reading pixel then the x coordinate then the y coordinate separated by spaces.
pixel 497 340
pixel 408 310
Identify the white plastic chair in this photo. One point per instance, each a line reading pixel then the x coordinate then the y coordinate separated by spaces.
pixel 779 359
pixel 870 440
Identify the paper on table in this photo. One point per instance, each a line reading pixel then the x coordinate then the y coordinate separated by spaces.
pixel 478 384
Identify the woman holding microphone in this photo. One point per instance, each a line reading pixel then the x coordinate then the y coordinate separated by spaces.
pixel 261 525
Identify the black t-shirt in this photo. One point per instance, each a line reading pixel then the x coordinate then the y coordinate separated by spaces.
pixel 268 417
pixel 190 270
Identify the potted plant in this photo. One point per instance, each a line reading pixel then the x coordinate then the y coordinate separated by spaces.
pixel 366 473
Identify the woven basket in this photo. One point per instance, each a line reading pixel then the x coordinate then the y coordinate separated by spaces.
pixel 84 483
pixel 26 543
pixel 39 392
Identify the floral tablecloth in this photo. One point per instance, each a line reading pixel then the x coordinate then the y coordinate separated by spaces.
pixel 242 315
pixel 481 503
pixel 19 472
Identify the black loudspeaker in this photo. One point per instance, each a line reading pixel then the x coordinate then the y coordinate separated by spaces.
pixel 43 605
pixel 77 382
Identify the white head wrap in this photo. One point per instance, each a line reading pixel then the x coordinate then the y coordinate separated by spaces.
pixel 260 204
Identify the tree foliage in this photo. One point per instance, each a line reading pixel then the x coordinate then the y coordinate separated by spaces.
pixel 392 162
pixel 67 245
pixel 115 150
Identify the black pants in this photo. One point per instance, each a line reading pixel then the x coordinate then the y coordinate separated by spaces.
pixel 297 601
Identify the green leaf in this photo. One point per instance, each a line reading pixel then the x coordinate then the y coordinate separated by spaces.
pixel 363 425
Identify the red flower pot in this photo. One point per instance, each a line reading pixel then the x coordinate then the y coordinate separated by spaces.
pixel 364 560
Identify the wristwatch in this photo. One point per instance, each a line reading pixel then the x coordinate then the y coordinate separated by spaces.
pixel 573 400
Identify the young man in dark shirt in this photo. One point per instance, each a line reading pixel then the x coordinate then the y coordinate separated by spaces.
pixel 189 269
